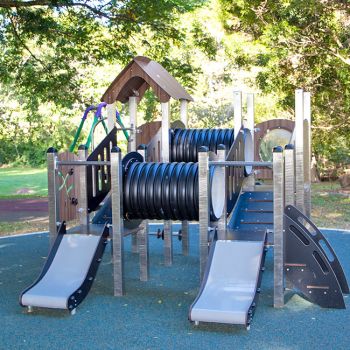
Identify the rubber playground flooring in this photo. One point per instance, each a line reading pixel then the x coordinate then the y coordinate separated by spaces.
pixel 153 314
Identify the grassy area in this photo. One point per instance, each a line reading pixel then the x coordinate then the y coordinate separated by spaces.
pixel 13 228
pixel 23 182
pixel 330 209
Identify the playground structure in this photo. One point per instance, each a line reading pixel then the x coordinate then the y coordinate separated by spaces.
pixel 191 175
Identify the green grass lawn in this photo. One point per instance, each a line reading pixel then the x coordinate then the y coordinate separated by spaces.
pixel 330 209
pixel 23 182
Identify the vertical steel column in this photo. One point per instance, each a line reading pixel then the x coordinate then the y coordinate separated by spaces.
pixel 203 182
pixel 249 124
pixel 132 148
pixel 278 208
pixel 222 223
pixel 168 236
pixel 165 131
pixel 307 152
pixel 111 115
pixel 52 186
pixel 133 123
pixel 299 151
pixel 82 200
pixel 142 239
pixel 183 111
pixel 237 111
pixel 117 222
pixel 184 224
pixel 168 243
pixel 289 174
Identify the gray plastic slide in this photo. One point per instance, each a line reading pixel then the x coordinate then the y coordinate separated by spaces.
pixel 66 273
pixel 229 287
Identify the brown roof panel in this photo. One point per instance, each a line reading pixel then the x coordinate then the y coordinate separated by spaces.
pixel 140 74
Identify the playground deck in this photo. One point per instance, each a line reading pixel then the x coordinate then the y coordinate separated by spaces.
pixel 153 315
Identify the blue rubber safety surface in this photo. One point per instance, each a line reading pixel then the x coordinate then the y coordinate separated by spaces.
pixel 153 314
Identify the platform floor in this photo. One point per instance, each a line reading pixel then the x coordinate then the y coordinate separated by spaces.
pixel 153 315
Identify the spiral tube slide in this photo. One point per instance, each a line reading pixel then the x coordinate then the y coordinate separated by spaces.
pixel 185 143
pixel 169 191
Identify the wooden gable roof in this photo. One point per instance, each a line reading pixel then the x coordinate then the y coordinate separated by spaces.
pixel 140 74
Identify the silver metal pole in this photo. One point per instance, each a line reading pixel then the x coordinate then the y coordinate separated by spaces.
pixel 222 223
pixel 249 123
pixel 165 131
pixel 83 209
pixel 133 123
pixel 203 181
pixel 237 111
pixel 168 243
pixel 82 163
pixel 52 186
pixel 168 236
pixel 142 236
pixel 289 167
pixel 307 152
pixel 117 222
pixel 299 150
pixel 183 111
pixel 184 224
pixel 238 163
pixel 111 115
pixel 278 208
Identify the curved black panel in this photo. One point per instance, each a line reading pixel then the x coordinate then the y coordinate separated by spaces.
pixel 315 235
pixel 307 268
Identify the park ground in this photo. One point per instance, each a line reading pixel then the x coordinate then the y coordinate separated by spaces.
pixel 153 315
pixel 23 202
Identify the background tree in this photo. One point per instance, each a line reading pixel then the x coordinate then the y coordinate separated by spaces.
pixel 305 44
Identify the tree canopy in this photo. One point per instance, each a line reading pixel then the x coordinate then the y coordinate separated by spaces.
pixel 57 56
pixel 306 45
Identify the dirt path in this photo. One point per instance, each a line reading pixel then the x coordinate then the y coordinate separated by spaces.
pixel 14 210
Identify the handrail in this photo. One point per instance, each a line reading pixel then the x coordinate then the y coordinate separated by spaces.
pixel 82 163
pixel 240 163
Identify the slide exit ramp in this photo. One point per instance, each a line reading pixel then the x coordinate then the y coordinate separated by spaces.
pixel 70 269
pixel 231 283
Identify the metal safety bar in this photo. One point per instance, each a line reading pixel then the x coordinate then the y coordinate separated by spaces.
pixel 240 163
pixel 82 163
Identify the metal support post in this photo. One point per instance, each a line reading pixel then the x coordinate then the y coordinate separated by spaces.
pixel 52 185
pixel 133 123
pixel 82 200
pixel 132 148
pixel 307 153
pixel 222 223
pixel 203 181
pixel 278 208
pixel 237 111
pixel 249 122
pixel 165 131
pixel 184 224
pixel 289 173
pixel 168 243
pixel 142 236
pixel 183 111
pixel 168 236
pixel 299 150
pixel 144 251
pixel 117 222
pixel 111 115
pixel 185 238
